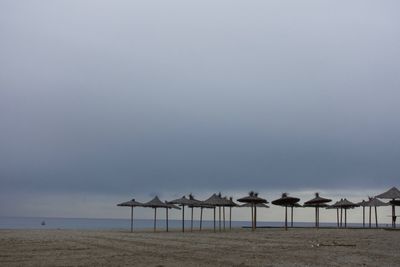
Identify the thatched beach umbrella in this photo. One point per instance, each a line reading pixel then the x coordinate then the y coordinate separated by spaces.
pixel 253 199
pixel 215 201
pixel 374 202
pixel 344 204
pixel 156 203
pixel 393 194
pixel 131 203
pixel 183 201
pixel 286 202
pixel 317 202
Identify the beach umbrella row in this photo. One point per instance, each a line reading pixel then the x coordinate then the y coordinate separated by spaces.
pixel 154 203
pixel 216 200
pixel 254 201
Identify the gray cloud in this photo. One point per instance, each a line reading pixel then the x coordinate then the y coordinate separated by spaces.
pixel 129 97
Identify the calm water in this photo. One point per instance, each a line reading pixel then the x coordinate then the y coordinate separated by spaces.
pixel 79 223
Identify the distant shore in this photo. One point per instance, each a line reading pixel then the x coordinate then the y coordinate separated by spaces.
pixel 239 247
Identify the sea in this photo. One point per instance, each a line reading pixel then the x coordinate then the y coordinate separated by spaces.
pixel 139 224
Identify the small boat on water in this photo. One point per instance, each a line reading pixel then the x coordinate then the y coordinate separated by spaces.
pixel 43 223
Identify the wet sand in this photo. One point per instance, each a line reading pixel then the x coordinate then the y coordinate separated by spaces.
pixel 240 247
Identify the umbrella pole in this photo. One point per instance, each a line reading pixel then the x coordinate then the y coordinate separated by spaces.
pixel 214 220
pixel 286 218
pixel 131 219
pixel 363 217
pixel 219 218
pixel 345 218
pixel 393 216
pixel 166 210
pixel 223 212
pixel 291 217
pixel 376 217
pixel 337 217
pixel 255 217
pixel 316 224
pixel 155 218
pixel 191 221
pixel 370 216
pixel 341 217
pixel 230 218
pixel 183 218
pixel 201 217
pixel 252 216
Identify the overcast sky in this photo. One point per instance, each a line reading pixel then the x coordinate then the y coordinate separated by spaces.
pixel 115 99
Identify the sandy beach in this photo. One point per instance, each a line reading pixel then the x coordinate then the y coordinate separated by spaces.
pixel 241 247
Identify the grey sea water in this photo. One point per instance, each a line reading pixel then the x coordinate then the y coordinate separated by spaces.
pixel 82 223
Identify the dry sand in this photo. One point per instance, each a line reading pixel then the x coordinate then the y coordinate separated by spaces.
pixel 241 247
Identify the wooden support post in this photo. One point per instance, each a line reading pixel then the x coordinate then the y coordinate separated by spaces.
pixel 155 219
pixel 201 217
pixel 286 218
pixel 166 215
pixel 131 219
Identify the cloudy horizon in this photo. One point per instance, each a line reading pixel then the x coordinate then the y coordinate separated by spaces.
pixel 102 101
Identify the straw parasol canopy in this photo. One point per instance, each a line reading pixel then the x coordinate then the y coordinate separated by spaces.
pixel 183 201
pixel 286 201
pixel 249 205
pixel 344 203
pixel 395 202
pixel 374 202
pixel 253 199
pixel 131 203
pixel 393 194
pixel 156 203
pixel 317 202
pixel 232 203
